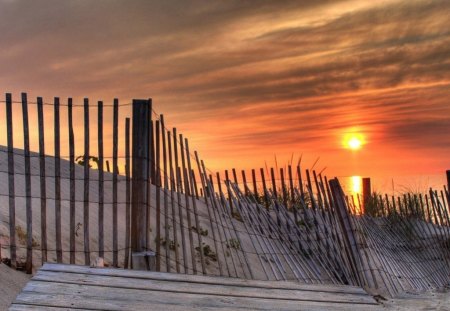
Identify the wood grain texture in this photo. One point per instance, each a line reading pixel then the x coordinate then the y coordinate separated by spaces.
pixel 42 182
pixel 87 260
pixel 58 286
pixel 72 182
pixel 28 205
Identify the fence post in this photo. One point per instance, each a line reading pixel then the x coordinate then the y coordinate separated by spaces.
pixel 448 180
pixel 11 188
pixel 367 191
pixel 140 151
pixel 26 143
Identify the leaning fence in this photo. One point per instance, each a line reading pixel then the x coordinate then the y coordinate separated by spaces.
pixel 287 223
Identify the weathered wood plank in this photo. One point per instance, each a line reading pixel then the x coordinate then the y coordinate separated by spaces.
pixel 149 160
pixel 101 243
pixel 172 202
pixel 72 182
pixel 115 174
pixel 87 260
pixel 139 174
pixel 198 288
pixel 28 205
pixel 43 187
pixel 11 184
pixel 59 294
pixel 24 307
pixel 154 307
pixel 166 195
pixel 127 193
pixel 180 206
pixel 187 194
pixel 158 195
pixel 57 138
pixel 203 279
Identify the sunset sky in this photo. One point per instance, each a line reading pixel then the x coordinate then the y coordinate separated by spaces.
pixel 248 80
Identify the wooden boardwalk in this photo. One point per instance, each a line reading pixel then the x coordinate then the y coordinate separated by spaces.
pixel 59 286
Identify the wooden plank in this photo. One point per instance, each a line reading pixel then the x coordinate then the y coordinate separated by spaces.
pixel 139 173
pixel 367 192
pixel 172 203
pixel 180 206
pixel 208 280
pixel 42 182
pixel 179 182
pixel 24 307
pixel 263 179
pixel 87 259
pixel 227 181
pixel 198 288
pixel 154 307
pixel 59 294
pixel 255 188
pixel 292 193
pixel 28 205
pixel 158 196
pixel 187 195
pixel 149 160
pixel 101 212
pixel 347 230
pixel 166 196
pixel 115 234
pixel 300 182
pixel 127 193
pixel 57 138
pixel 72 195
pixel 11 188
pixel 152 150
pixel 283 188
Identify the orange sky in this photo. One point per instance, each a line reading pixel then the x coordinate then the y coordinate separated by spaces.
pixel 250 80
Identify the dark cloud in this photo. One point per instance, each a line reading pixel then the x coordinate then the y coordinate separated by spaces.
pixel 296 71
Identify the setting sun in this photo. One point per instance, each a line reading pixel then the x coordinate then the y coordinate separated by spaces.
pixel 353 141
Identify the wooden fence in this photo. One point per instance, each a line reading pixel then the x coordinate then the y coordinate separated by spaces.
pixel 55 181
pixel 286 224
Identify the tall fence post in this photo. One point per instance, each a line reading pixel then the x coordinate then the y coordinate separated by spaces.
pixel 448 179
pixel 367 192
pixel 140 151
pixel 11 188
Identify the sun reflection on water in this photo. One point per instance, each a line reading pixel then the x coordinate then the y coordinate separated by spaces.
pixel 355 185
pixel 354 191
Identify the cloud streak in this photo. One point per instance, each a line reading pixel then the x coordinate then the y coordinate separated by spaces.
pixel 250 79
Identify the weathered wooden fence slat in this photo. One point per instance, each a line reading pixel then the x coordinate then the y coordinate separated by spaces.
pixel 87 254
pixel 29 216
pixel 114 185
pixel 101 188
pixel 127 194
pixel 42 184
pixel 72 186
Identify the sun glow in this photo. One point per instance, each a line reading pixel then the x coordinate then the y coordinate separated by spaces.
pixel 353 141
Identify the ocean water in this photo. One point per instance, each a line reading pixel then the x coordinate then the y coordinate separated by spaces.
pixel 395 185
